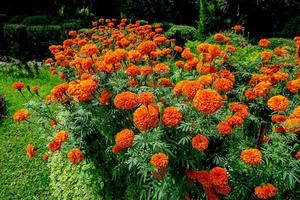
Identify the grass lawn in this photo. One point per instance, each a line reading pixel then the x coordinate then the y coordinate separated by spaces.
pixel 22 178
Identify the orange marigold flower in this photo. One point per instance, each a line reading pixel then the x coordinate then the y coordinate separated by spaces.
pixel 146 70
pixel 61 136
pixel 220 37
pixel 251 156
pixel 278 118
pixel 207 101
pixel 146 47
pixel 75 155
pixel 124 138
pixel 104 97
pixel 205 80
pixel 204 178
pixel 223 84
pixel 18 86
pixel 235 120
pixel 262 88
pixel 178 48
pixel 54 146
pixel 224 189
pixel 35 88
pixel 264 43
pixel 59 90
pixel 224 128
pixel 266 56
pixel 161 69
pixel 133 70
pixel 20 115
pixel 278 103
pixel 146 98
pixel 218 176
pixel 297 155
pixel 160 160
pixel 45 156
pixel 126 100
pixel 190 88
pixel 230 48
pixel 238 27
pixel 177 90
pixel 200 142
pixel 82 89
pixel 146 117
pixel 250 94
pixel 30 151
pixel 164 82
pixel 53 122
pixel 265 191
pixel 280 76
pixel 172 116
pixel 116 149
pixel 187 54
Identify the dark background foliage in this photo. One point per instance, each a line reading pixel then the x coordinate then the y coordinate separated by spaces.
pixel 262 18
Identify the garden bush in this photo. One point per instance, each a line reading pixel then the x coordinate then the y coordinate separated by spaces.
pixel 69 181
pixel 15 38
pixel 181 33
pixel 291 28
pixel 40 37
pixel 221 121
pixel 36 20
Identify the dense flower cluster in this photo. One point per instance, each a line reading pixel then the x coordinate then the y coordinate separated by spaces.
pixel 128 94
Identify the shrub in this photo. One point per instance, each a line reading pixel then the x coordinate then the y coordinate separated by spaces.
pixel 69 181
pixel 181 33
pixel 15 39
pixel 235 39
pixel 221 120
pixel 36 20
pixel 291 28
pixel 280 42
pixel 40 37
pixel 17 19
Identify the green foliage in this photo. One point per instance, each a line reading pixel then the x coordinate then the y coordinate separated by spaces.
pixel 15 38
pixel 235 39
pixel 17 19
pixel 291 28
pixel 36 20
pixel 17 68
pixel 33 177
pixel 280 42
pixel 40 37
pixel 166 25
pixel 74 181
pixel 181 33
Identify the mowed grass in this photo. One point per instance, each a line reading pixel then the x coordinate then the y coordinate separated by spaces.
pixel 20 177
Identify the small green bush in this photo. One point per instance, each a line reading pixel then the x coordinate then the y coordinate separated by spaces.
pixel 280 42
pixel 18 19
pixel 41 37
pixel 235 39
pixel 181 33
pixel 291 28
pixel 36 20
pixel 67 26
pixel 74 181
pixel 15 39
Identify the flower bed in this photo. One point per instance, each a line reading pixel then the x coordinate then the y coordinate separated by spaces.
pixel 156 121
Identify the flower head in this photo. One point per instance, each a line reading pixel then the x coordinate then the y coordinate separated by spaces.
pixel 160 160
pixel 75 155
pixel 251 156
pixel 30 151
pixel 172 116
pixel 126 100
pixel 124 138
pixel 18 86
pixel 61 136
pixel 200 142
pixel 218 176
pixel 278 103
pixel 265 191
pixel 146 117
pixel 20 115
pixel 207 101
